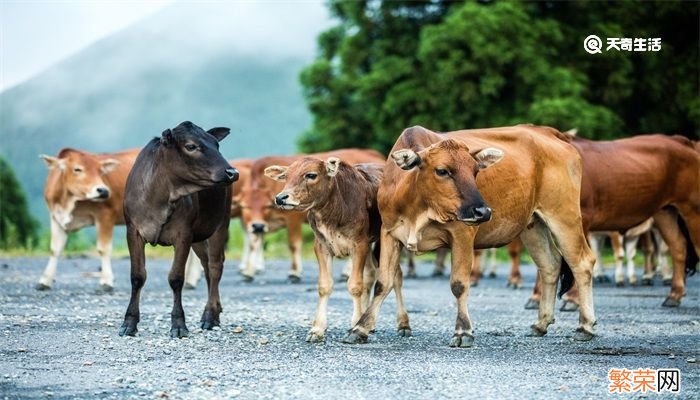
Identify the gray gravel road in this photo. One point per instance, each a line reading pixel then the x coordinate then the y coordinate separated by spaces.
pixel 64 343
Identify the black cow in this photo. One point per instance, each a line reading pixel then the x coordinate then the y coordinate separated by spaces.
pixel 179 194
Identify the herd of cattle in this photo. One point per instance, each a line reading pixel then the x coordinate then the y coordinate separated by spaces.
pixel 523 186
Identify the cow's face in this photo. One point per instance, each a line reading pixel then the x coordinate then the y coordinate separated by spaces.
pixel 81 174
pixel 192 156
pixel 447 179
pixel 307 180
pixel 256 205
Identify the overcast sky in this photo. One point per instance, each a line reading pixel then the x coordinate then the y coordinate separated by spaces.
pixel 35 34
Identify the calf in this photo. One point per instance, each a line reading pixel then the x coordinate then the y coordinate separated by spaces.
pixel 84 189
pixel 341 201
pixel 179 194
pixel 477 189
pixel 260 215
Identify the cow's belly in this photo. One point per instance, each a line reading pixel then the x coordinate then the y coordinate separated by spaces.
pixel 432 236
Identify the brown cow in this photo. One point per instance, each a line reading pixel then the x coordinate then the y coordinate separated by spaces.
pixel 260 215
pixel 627 181
pixel 179 194
pixel 84 189
pixel 432 197
pixel 341 202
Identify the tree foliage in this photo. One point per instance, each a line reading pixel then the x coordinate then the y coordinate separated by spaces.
pixel 17 227
pixel 388 65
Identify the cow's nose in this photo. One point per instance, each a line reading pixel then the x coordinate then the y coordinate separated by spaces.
pixel 258 228
pixel 280 199
pixel 102 192
pixel 482 214
pixel 232 174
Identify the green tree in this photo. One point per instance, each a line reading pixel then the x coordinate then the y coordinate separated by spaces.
pixel 444 65
pixel 17 227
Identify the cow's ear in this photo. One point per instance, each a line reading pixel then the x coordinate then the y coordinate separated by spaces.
pixel 487 157
pixel 332 166
pixel 406 159
pixel 53 162
pixel 166 138
pixel 277 173
pixel 108 165
pixel 219 133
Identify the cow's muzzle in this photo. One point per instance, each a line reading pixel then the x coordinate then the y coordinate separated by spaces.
pixel 258 228
pixel 284 202
pixel 231 174
pixel 475 215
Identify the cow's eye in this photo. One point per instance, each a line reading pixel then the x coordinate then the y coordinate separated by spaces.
pixel 442 172
pixel 190 147
pixel 77 170
pixel 311 176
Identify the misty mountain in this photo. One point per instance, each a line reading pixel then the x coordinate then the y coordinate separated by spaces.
pixel 233 65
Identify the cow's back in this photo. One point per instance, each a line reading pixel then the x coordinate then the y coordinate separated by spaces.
pixel 627 180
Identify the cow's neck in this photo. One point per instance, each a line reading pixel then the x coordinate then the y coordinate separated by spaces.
pixel 62 206
pixel 339 208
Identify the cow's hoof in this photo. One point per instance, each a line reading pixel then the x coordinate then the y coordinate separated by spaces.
pixel 583 335
pixel 355 337
pixel 532 304
pixel 208 325
pixel 128 330
pixel 620 283
pixel 515 285
pixel 343 278
pixel 667 282
pixel 464 340
pixel 437 273
pixel 405 332
pixel 535 331
pixel 247 278
pixel 633 283
pixel 568 306
pixel 42 287
pixel 492 275
pixel 179 332
pixel 315 337
pixel 474 283
pixel 411 274
pixel 670 302
pixel 189 286
pixel 104 289
pixel 601 279
pixel 647 282
pixel 293 279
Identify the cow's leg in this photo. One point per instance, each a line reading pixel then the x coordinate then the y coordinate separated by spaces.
pixel 58 243
pixel 598 270
pixel 255 249
pixel 537 240
pixel 368 279
pixel 440 256
pixel 630 252
pixel 217 246
pixel 411 261
pixel 193 270
pixel 533 303
pixel 138 279
pixel 245 257
pixel 662 259
pixel 356 279
pixel 475 272
pixel 491 263
pixel 649 253
pixel 325 288
pixel 463 258
pixel 667 222
pixel 619 255
pixel 295 242
pixel 402 325
pixel 105 228
pixel 515 279
pixel 176 279
pixel 574 249
pixel 388 264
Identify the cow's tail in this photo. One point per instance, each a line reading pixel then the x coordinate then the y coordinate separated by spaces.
pixel 566 278
pixel 691 256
